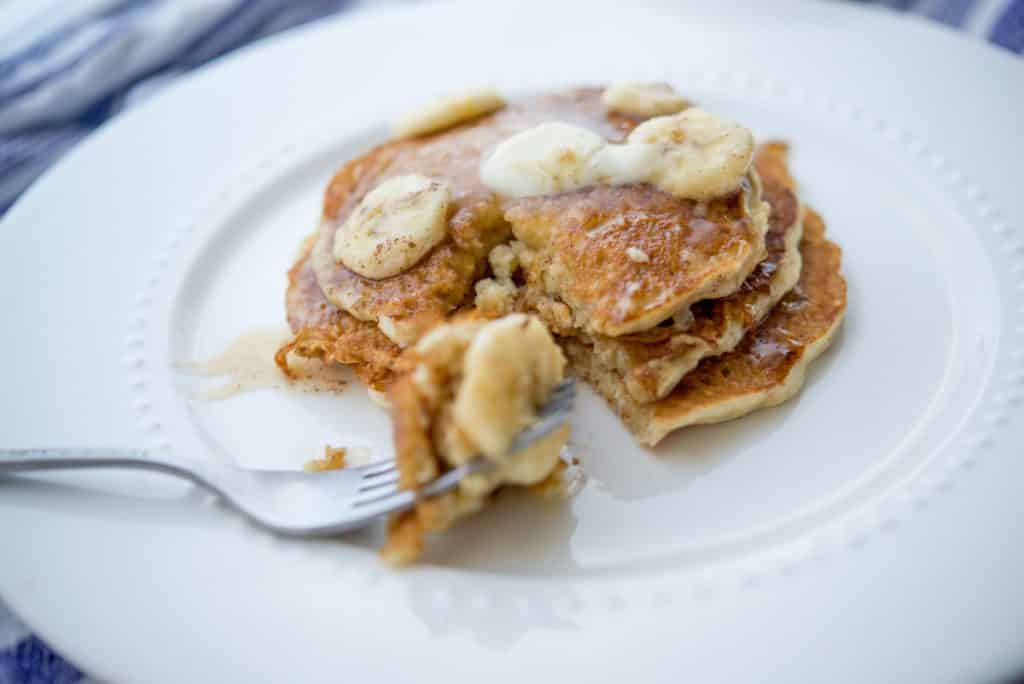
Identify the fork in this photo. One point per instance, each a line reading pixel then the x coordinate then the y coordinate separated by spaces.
pixel 290 502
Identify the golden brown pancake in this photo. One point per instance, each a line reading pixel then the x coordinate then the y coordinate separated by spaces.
pixel 324 332
pixel 767 367
pixel 678 312
pixel 649 291
pixel 614 260
pixel 652 362
pixel 414 300
pixel 695 250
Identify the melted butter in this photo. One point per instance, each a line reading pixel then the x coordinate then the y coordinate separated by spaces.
pixel 771 350
pixel 247 364
pixel 559 157
pixel 692 155
pixel 767 349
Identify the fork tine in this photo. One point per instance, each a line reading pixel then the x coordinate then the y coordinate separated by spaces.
pixel 542 428
pixel 370 496
pixel 565 389
pixel 378 482
pixel 394 502
pixel 375 469
pixel 379 493
pixel 556 406
pixel 561 401
pixel 447 481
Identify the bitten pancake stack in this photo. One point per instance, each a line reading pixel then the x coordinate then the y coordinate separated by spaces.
pixel 666 253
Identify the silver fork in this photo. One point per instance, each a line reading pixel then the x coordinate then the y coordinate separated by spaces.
pixel 293 502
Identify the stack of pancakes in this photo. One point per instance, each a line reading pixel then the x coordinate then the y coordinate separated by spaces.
pixel 677 311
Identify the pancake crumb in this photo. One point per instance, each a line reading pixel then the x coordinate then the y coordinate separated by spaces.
pixel 333 459
pixel 495 297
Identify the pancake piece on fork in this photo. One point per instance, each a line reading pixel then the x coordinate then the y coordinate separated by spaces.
pixel 467 389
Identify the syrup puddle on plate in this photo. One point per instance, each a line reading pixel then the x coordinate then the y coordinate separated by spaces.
pixel 247 364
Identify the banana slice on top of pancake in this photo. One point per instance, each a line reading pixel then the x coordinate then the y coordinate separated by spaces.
pixel 643 99
pixel 448 111
pixel 394 226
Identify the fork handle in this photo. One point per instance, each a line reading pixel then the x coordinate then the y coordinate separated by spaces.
pixel 26 460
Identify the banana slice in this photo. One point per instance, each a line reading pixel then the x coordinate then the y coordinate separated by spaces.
pixel 509 370
pixel 448 111
pixel 643 99
pixel 546 159
pixel 394 226
pixel 703 155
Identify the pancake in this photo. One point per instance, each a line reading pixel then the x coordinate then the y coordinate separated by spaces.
pixel 468 388
pixel 323 331
pixel 648 292
pixel 615 260
pixel 587 241
pixel 652 362
pixel 767 367
pixel 407 304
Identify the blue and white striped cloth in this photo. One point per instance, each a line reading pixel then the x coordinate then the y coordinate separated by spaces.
pixel 66 67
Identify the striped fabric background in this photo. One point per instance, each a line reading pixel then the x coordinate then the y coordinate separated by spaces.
pixel 66 67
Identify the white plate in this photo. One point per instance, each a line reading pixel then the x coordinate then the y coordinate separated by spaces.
pixel 868 529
